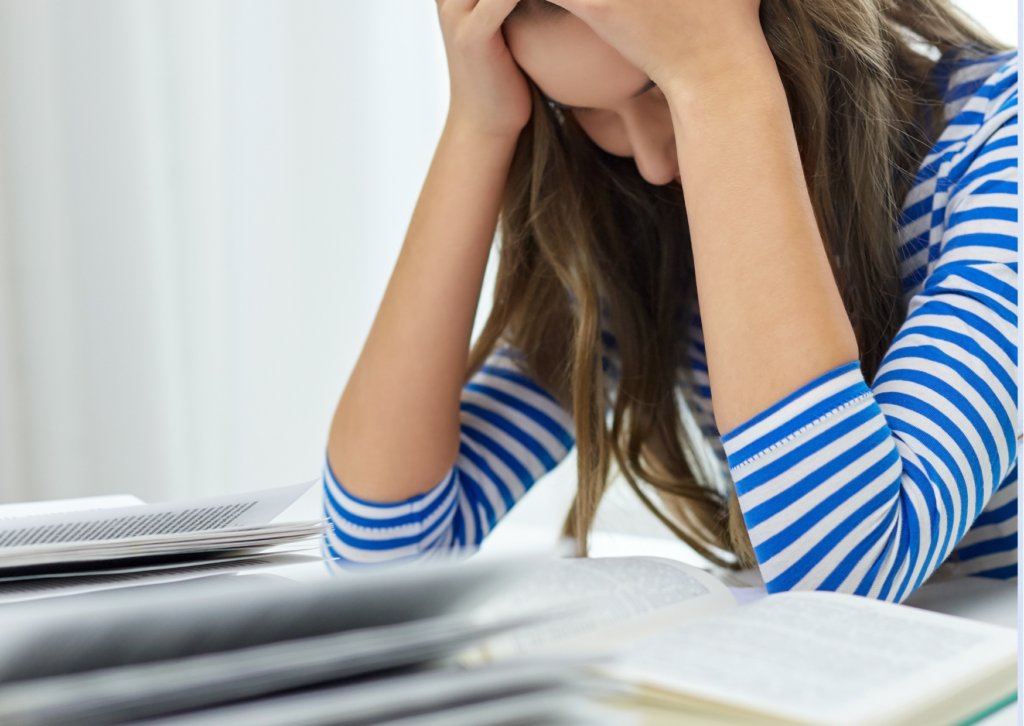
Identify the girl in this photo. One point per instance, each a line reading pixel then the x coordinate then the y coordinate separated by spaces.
pixel 803 209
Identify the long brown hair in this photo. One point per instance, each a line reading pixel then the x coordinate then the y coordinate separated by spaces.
pixel 587 244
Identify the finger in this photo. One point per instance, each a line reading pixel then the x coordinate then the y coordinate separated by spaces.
pixel 457 6
pixel 592 12
pixel 488 15
pixel 571 5
pixel 586 9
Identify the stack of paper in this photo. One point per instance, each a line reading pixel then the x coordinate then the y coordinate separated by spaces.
pixel 77 539
pixel 368 648
pixel 36 586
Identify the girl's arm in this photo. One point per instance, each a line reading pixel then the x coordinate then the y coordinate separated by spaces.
pixel 396 429
pixel 772 314
pixel 395 433
pixel 867 490
pixel 843 487
pixel 512 433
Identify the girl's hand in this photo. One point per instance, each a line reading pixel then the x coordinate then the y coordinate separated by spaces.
pixel 679 44
pixel 489 94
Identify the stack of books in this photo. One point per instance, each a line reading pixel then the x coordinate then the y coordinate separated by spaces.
pixel 481 643
pixel 367 649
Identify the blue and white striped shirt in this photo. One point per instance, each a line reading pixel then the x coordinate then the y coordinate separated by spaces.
pixel 843 486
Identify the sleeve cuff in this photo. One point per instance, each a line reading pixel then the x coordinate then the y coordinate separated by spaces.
pixel 419 510
pixel 798 411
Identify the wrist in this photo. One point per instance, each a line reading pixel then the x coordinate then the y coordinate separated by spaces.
pixel 728 77
pixel 467 129
pixel 748 88
pixel 475 151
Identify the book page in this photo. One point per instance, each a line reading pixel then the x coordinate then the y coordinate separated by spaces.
pixel 122 522
pixel 603 602
pixel 824 658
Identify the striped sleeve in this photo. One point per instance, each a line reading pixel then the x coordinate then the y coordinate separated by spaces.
pixel 513 432
pixel 868 490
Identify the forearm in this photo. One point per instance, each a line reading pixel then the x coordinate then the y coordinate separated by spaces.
pixel 880 484
pixel 772 315
pixel 396 429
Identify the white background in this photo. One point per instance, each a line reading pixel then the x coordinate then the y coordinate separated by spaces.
pixel 200 203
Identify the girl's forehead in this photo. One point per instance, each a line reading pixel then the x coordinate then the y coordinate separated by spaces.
pixel 571 64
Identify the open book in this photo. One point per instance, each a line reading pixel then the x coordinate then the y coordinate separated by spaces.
pixel 48 538
pixel 816 658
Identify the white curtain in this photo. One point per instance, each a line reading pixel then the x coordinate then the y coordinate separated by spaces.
pixel 200 203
